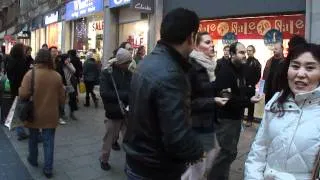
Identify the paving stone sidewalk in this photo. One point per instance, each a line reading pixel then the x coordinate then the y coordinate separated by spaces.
pixel 78 144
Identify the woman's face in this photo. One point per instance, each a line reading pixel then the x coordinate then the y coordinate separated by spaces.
pixel 304 74
pixel 206 46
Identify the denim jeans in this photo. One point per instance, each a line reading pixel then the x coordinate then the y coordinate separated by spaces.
pixel 132 176
pixel 48 146
pixel 20 131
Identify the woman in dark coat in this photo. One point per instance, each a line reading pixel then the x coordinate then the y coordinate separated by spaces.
pixel 16 69
pixel 202 77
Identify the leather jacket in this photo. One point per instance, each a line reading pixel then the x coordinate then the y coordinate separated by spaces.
pixel 159 140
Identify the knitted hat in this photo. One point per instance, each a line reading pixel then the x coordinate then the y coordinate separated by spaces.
pixel 123 56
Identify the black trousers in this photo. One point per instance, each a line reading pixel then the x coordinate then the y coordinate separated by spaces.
pixel 89 90
pixel 228 134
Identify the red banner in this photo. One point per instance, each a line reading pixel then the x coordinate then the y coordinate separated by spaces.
pixel 256 27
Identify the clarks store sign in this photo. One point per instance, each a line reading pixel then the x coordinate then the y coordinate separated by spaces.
pixel 145 6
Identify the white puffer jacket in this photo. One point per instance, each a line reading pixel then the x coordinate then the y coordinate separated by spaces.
pixel 285 147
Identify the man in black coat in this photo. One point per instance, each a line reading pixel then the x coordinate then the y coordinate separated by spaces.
pixel 252 74
pixel 224 60
pixel 115 72
pixel 230 84
pixel 159 142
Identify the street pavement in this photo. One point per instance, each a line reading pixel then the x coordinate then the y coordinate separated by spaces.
pixel 77 149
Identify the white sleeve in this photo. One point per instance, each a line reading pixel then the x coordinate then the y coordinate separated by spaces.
pixel 256 161
pixel 71 68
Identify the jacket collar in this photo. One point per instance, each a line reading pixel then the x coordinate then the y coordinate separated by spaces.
pixel 310 97
pixel 183 62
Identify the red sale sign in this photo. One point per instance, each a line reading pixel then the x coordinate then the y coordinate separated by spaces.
pixel 255 27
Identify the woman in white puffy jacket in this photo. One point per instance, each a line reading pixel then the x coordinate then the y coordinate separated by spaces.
pixel 288 139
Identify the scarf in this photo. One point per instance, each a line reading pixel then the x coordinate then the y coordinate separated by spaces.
pixel 206 62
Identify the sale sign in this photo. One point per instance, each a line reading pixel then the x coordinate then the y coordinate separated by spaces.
pixel 255 27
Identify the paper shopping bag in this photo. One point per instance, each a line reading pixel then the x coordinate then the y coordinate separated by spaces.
pixel 200 170
pixel 12 121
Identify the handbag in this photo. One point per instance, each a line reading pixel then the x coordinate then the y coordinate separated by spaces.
pixel 25 108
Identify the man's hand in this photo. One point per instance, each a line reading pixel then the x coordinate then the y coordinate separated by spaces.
pixel 221 101
pixel 256 98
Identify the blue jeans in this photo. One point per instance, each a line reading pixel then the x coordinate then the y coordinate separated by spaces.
pixel 20 131
pixel 48 146
pixel 133 176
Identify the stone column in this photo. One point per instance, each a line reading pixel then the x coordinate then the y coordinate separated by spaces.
pixel 110 34
pixel 313 20
pixel 155 20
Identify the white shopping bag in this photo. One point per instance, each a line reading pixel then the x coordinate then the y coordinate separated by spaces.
pixel 11 121
pixel 199 171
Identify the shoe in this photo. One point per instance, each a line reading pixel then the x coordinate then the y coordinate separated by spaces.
pixel 47 174
pixel 105 166
pixel 31 163
pixel 248 124
pixel 116 146
pixel 62 122
pixel 23 136
pixel 73 117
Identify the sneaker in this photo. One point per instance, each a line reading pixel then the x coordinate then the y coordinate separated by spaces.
pixel 62 122
pixel 105 165
pixel 23 136
pixel 116 146
pixel 248 124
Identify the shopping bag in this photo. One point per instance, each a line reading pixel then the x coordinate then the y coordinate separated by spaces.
pixel 200 170
pixel 12 121
pixel 82 88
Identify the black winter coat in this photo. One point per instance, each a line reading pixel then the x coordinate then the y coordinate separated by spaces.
pixel 232 77
pixel 91 71
pixel 122 79
pixel 77 64
pixel 202 97
pixel 252 71
pixel 159 140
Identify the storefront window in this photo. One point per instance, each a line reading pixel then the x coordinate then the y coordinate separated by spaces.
pixel 136 33
pixel 53 35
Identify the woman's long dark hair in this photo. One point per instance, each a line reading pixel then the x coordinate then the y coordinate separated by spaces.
pixel 283 75
pixel 17 51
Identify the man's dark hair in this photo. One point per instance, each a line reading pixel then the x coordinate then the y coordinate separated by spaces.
pixel 225 47
pixel 253 48
pixel 72 53
pixel 178 25
pixel 45 45
pixel 53 47
pixel 233 48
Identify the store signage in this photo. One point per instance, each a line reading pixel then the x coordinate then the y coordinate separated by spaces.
pixel 80 8
pixel 51 18
pixel 117 3
pixel 272 37
pixel 229 38
pixel 146 6
pixel 256 27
